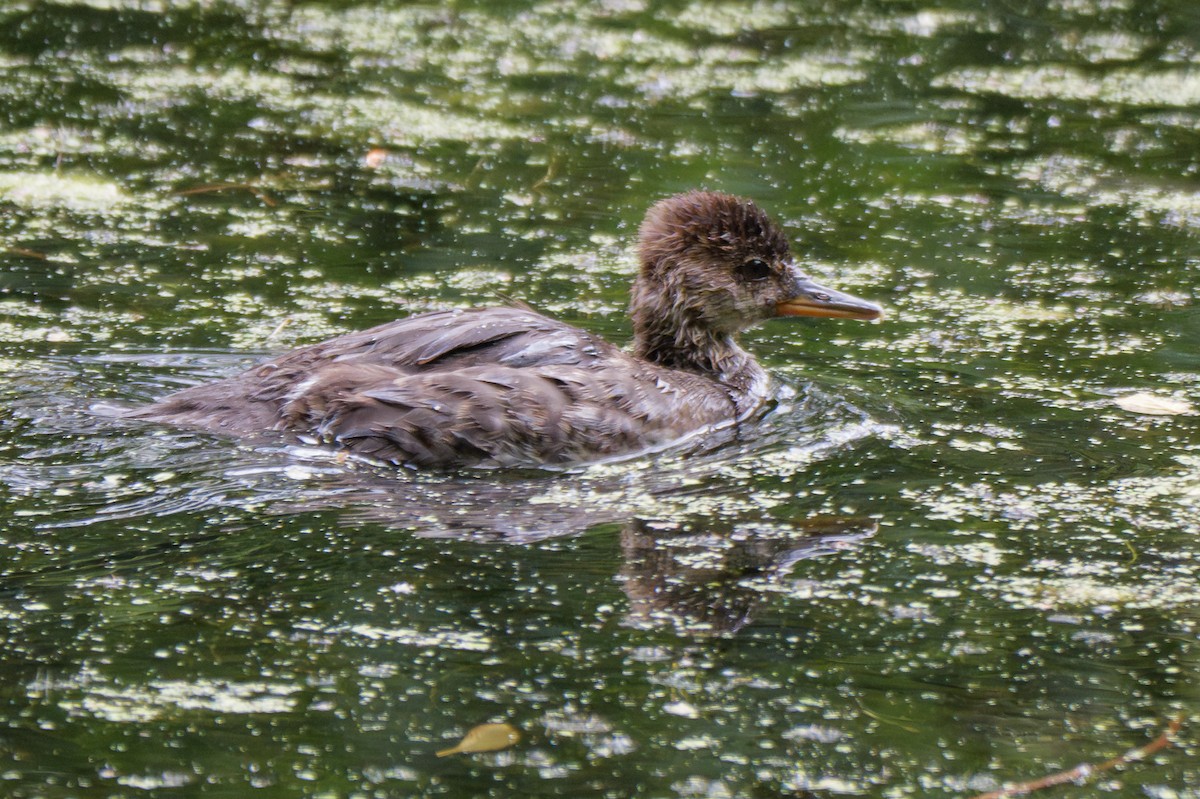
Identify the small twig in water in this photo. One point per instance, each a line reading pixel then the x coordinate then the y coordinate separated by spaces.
pixel 287 320
pixel 1133 554
pixel 1086 771
pixel 27 253
pixel 546 178
pixel 886 719
pixel 250 187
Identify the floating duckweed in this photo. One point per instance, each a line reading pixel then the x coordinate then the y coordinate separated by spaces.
pixel 1082 179
pixel 1106 46
pixel 1170 87
pixel 394 122
pixel 723 19
pixel 160 698
pixel 149 6
pixel 926 22
pixel 1089 8
pixel 929 137
pixel 746 76
pixel 87 194
pixel 172 85
pixel 465 640
pixel 1067 593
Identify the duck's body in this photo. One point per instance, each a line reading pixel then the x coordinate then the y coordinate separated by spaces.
pixel 489 386
pixel 507 386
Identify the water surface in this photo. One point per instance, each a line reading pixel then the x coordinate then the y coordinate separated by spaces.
pixel 944 558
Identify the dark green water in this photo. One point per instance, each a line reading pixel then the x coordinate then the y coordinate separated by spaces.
pixel 1008 581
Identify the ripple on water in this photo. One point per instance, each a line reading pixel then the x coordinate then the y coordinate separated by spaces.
pixel 104 469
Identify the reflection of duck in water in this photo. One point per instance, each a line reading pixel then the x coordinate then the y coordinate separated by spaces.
pixel 708 580
pixel 503 386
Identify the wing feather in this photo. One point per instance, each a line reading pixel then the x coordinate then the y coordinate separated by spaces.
pixel 494 386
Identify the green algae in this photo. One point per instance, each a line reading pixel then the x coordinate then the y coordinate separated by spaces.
pixel 187 187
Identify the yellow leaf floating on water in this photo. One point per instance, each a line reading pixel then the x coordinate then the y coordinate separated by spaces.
pixel 484 738
pixel 1154 405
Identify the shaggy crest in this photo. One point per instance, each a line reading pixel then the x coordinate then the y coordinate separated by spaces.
pixel 722 224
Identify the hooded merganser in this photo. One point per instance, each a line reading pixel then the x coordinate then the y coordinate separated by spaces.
pixel 508 386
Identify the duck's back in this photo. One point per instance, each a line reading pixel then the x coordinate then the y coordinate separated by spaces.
pixel 494 386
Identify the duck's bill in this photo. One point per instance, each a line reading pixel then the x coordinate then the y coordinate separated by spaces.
pixel 813 299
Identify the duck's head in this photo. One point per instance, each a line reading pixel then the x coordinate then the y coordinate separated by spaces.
pixel 716 263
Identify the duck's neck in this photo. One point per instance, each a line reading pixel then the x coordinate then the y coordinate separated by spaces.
pixel 669 336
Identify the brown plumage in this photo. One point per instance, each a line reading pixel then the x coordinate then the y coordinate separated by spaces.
pixel 507 386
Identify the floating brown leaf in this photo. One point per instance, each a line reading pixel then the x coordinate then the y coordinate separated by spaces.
pixel 484 738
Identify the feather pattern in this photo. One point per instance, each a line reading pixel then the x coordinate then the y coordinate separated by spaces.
pixel 494 386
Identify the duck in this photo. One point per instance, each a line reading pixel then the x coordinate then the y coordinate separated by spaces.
pixel 506 386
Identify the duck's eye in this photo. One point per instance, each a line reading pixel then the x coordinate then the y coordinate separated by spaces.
pixel 755 270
